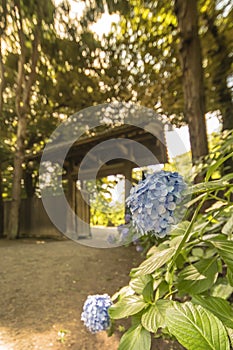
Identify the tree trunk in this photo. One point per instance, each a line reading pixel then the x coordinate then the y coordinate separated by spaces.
pixel 13 229
pixel 1 208
pixel 193 86
pixel 25 82
pixel 1 117
pixel 1 81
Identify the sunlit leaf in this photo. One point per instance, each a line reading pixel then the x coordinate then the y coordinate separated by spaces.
pixel 196 328
pixel 136 338
pixel 127 306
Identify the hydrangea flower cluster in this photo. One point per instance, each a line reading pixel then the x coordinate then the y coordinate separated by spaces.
pixel 95 312
pixel 153 202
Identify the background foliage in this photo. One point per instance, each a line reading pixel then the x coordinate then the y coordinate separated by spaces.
pixel 75 68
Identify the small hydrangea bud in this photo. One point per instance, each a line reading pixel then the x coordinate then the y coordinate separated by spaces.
pixel 139 248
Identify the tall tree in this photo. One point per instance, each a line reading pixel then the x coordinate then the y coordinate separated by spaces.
pixel 50 82
pixel 28 21
pixel 193 85
pixel 2 30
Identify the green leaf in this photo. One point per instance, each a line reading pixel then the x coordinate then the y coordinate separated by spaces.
pixel 214 237
pixel 230 335
pixel 225 249
pixel 175 241
pixel 152 250
pixel 156 283
pixel 209 186
pixel 216 165
pixel 194 200
pixel 162 289
pixel 127 306
pixel 136 319
pixel 139 283
pixel 148 292
pixel 180 229
pixel 155 249
pixel 230 277
pixel 218 306
pixel 196 328
pixel 228 227
pixel 136 338
pixel 123 292
pixel 154 317
pixel 221 290
pixel 197 278
pixel 198 252
pixel 154 262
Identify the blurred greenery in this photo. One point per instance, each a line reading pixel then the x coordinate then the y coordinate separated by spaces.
pixel 137 61
pixel 104 211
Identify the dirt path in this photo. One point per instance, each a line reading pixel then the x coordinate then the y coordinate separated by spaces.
pixel 42 289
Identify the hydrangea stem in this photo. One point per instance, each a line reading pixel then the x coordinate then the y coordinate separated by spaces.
pixel 187 232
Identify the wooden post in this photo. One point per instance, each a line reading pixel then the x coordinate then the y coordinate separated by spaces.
pixel 83 212
pixel 128 179
pixel 71 193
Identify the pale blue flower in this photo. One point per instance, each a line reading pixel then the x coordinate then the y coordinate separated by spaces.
pixel 153 202
pixel 95 312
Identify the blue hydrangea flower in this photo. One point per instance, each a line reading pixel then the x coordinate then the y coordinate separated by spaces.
pixel 153 202
pixel 95 312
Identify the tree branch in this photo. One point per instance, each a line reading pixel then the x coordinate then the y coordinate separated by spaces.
pixel 21 62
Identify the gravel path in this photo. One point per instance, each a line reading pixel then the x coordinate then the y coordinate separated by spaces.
pixel 43 285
